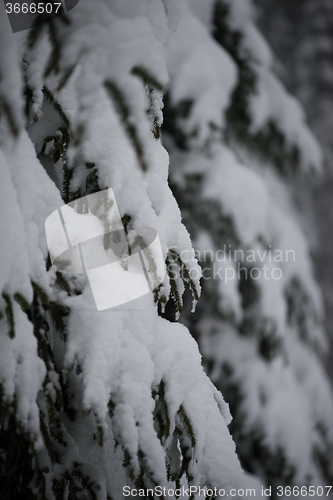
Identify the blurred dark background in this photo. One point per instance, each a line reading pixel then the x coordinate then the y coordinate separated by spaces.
pixel 300 33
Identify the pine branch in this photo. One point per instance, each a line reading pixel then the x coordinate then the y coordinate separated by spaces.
pixel 9 315
pixel 187 425
pixel 23 303
pixel 56 106
pixel 161 412
pixel 119 100
pixel 147 78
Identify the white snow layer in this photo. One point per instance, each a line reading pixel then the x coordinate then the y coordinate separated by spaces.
pixel 200 70
pixel 27 197
pixel 270 102
pixel 288 400
pixel 125 352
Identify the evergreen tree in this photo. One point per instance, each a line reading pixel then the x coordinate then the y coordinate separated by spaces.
pixel 235 142
pixel 304 51
pixel 94 401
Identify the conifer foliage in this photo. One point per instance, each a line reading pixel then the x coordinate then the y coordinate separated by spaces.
pixel 235 136
pixel 93 401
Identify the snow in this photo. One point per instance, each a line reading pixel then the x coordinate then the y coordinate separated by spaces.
pixel 200 70
pixel 278 400
pixel 23 250
pixel 223 265
pixel 124 352
pixel 112 358
pixel 203 11
pixel 273 102
pixel 270 101
pixel 244 195
pixel 125 355
pixel 288 417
